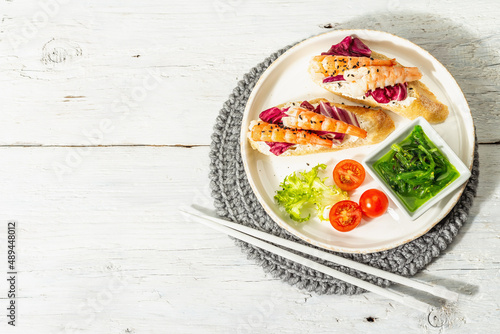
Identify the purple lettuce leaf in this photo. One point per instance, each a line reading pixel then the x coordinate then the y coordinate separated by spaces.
pixel 387 94
pixel 340 114
pixel 354 47
pixel 278 148
pixel 273 115
pixel 339 77
pixel 349 47
pixel 307 105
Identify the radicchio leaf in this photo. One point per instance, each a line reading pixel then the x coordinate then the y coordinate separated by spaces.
pixel 278 148
pixel 339 77
pixel 273 115
pixel 387 94
pixel 307 105
pixel 350 46
pixel 340 114
pixel 354 47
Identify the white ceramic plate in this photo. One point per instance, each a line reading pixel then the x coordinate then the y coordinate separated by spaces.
pixel 287 79
pixel 398 136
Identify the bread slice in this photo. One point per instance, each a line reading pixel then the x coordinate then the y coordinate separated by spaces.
pixel 420 101
pixel 376 122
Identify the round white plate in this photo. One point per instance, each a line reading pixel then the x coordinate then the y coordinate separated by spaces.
pixel 287 79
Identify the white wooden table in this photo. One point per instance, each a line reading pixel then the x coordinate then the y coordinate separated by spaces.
pixel 105 125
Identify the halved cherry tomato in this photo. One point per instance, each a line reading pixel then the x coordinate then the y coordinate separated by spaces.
pixel 345 215
pixel 373 203
pixel 348 174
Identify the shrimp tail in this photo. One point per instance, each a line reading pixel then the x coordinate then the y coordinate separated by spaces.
pixel 309 120
pixel 373 77
pixel 263 131
pixel 337 65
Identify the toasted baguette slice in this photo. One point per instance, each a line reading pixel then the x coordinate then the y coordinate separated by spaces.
pixel 420 101
pixel 376 122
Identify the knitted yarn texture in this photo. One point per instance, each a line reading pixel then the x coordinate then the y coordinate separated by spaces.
pixel 235 201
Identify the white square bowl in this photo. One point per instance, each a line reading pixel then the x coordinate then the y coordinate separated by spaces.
pixel 398 137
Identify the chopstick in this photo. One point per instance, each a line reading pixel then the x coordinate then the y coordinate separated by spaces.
pixel 257 238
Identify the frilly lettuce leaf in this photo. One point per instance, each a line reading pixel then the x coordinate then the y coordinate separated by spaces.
pixel 305 192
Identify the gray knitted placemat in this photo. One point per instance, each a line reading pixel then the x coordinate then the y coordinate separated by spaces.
pixel 235 201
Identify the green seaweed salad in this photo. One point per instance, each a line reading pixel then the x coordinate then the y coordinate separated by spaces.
pixel 416 169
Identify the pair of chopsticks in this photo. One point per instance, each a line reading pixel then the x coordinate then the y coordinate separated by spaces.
pixel 261 239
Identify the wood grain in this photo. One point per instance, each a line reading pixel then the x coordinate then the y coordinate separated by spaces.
pixel 114 252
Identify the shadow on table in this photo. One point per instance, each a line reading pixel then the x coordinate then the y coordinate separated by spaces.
pixel 472 59
pixel 450 312
pixel 453 285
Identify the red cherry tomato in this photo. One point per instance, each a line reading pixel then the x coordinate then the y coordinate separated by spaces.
pixel 373 203
pixel 348 174
pixel 345 215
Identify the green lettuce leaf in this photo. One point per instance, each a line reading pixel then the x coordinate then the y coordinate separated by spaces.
pixel 304 193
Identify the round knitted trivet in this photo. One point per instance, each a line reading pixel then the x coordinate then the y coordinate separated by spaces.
pixel 235 201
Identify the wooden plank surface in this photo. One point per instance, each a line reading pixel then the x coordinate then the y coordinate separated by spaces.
pixel 107 113
pixel 106 249
pixel 137 66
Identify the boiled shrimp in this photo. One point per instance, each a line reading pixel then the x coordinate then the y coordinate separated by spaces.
pixel 337 65
pixel 372 77
pixel 309 120
pixel 262 131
